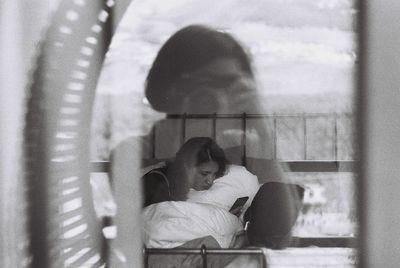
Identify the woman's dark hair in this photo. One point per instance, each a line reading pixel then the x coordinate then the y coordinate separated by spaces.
pixel 202 150
pixel 187 50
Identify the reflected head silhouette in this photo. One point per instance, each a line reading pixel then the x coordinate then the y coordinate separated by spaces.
pixel 202 64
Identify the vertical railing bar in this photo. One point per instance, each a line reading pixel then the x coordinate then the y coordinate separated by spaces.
pixel 183 136
pixel 350 120
pixel 105 250
pixel 244 137
pixel 153 145
pixel 214 126
pixel 263 261
pixel 146 258
pixel 275 136
pixel 305 135
pixel 204 255
pixel 336 136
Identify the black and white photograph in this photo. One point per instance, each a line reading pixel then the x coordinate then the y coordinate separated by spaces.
pixel 187 133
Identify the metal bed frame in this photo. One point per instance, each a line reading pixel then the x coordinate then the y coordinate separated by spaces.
pixel 294 166
pixel 204 252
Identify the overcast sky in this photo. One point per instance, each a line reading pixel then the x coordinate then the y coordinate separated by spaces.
pixel 298 46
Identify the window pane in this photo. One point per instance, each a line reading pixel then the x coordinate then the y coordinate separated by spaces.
pixel 303 55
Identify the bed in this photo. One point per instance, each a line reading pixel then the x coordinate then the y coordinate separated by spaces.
pixel 203 226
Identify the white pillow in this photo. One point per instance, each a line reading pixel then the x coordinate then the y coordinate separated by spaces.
pixel 236 183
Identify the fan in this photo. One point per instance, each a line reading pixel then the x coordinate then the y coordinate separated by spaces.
pixel 63 228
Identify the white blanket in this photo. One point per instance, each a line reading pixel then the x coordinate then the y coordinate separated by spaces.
pixel 171 224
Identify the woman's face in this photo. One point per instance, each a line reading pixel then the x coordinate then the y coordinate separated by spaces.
pixel 203 175
pixel 218 87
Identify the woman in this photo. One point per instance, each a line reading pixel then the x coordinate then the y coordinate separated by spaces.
pixel 197 164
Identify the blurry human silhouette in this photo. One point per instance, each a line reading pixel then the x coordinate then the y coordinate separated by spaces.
pixel 200 70
pixel 271 217
pixel 205 72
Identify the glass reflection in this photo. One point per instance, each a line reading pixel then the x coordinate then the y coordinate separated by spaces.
pixel 301 78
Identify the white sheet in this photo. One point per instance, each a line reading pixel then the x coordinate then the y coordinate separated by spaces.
pixel 171 224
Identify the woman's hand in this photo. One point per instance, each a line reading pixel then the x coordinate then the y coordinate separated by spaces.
pixel 237 211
